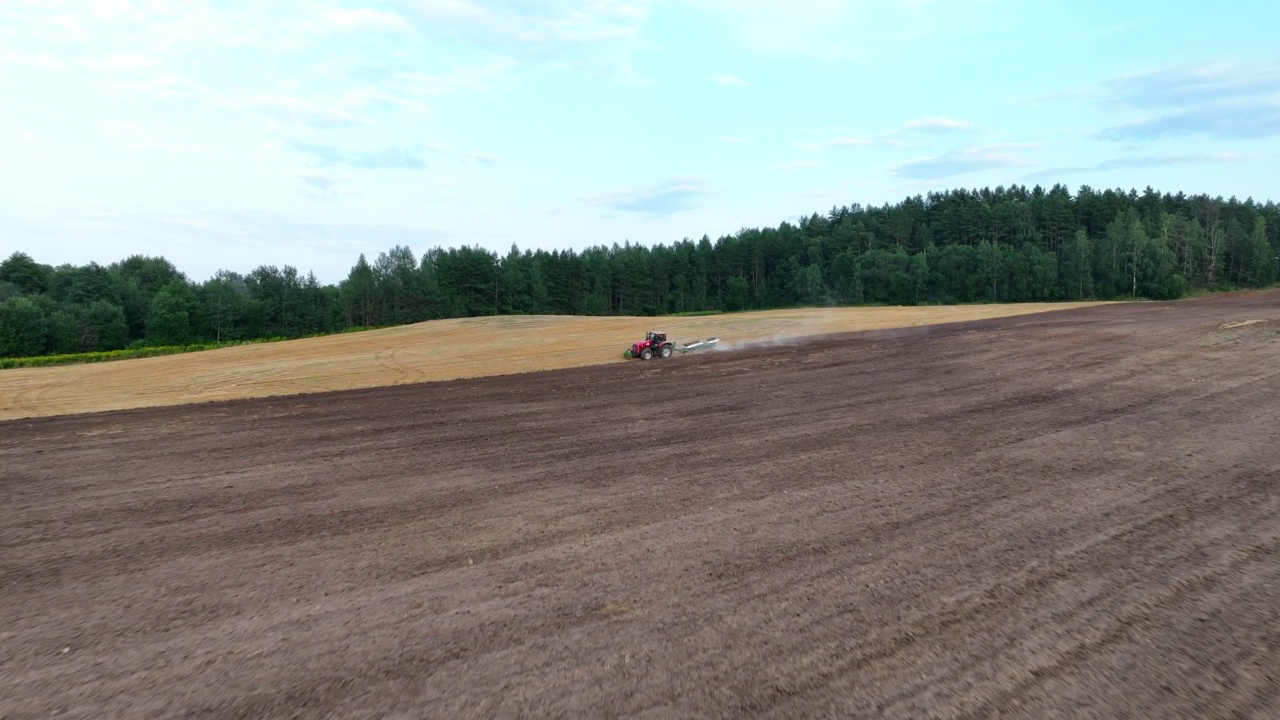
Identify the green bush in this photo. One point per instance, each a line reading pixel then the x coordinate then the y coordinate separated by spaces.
pixel 130 353
pixel 23 326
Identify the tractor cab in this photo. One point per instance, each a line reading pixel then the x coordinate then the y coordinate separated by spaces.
pixel 656 338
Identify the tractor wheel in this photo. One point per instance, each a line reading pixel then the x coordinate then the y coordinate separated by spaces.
pixel 646 354
pixel 665 351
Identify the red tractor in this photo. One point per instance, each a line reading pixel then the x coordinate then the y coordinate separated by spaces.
pixel 654 343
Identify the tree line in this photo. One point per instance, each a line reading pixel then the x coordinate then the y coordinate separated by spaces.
pixel 1013 244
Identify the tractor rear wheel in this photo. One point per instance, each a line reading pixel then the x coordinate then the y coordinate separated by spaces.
pixel 665 351
pixel 646 354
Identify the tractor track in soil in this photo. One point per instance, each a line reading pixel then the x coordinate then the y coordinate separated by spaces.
pixel 1074 514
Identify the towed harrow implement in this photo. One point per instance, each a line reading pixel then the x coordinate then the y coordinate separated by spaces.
pixel 696 345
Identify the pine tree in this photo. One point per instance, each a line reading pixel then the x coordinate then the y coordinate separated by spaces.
pixel 1260 264
pixel 359 293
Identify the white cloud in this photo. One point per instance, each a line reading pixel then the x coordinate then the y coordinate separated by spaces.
pixel 842 29
pixel 320 113
pixel 46 21
pixel 797 165
pixel 39 61
pixel 894 138
pixel 597 34
pixel 1078 93
pixel 1141 161
pixel 317 114
pixel 409 157
pixel 320 180
pixel 165 29
pixel 161 140
pixel 374 98
pixel 163 50
pixel 1145 161
pixel 805 27
pixel 845 141
pixel 1195 84
pixel 340 20
pixel 728 80
pixel 1217 99
pixel 389 158
pixel 666 198
pixel 161 86
pixel 938 124
pixel 144 26
pixel 121 62
pixel 462 79
pixel 964 160
pixel 325 187
pixel 475 158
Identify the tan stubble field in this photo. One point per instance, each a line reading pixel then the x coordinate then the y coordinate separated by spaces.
pixel 424 352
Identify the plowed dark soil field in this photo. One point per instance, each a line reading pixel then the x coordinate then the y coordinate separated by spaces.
pixel 1073 515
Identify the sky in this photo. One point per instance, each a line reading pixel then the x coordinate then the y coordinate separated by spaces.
pixel 227 135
